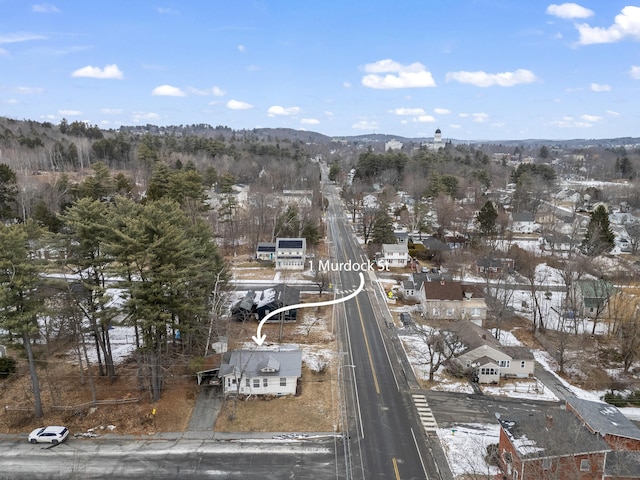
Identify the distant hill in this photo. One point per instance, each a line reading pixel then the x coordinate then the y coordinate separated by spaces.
pixel 310 137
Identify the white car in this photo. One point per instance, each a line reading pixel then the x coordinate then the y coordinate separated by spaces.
pixel 52 434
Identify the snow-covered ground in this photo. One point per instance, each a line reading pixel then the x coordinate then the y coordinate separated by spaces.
pixel 466 444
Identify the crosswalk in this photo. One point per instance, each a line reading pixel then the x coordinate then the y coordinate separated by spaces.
pixel 425 414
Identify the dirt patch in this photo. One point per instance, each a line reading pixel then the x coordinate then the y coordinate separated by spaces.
pixel 312 410
pixel 62 384
pixel 66 401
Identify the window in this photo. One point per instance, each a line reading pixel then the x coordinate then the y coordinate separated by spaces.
pixel 265 382
pixel 585 465
pixel 450 312
pixel 523 364
pixel 283 382
pixel 504 363
pixel 256 383
pixel 475 312
pixel 488 371
pixel 436 312
pixel 248 383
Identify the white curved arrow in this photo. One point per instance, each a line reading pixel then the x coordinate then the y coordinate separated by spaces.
pixel 259 339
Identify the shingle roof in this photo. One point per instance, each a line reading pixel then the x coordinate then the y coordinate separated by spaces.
pixel 604 419
pixel 250 363
pixel 549 430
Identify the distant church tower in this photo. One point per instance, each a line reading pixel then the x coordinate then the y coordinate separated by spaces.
pixel 437 138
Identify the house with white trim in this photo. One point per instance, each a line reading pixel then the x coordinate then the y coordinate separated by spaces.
pixel 487 359
pixel 261 372
pixel 395 255
pixel 290 253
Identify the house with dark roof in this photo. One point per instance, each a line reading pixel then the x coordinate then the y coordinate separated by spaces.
pixel 592 296
pixel 546 441
pixel 607 421
pixel 493 266
pixel 290 253
pixel 486 359
pixel 446 299
pixel 580 439
pixel 266 251
pixel 558 243
pixel 261 372
pixel 523 222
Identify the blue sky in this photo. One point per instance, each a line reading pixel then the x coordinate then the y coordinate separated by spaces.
pixel 476 69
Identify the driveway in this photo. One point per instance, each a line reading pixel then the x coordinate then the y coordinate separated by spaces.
pixel 206 410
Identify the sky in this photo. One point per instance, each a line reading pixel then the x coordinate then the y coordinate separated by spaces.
pixel 476 69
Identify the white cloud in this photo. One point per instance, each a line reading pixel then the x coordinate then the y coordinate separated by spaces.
pixel 483 79
pixel 365 125
pixel 408 111
pixel 346 84
pixel 242 48
pixel 10 101
pixel 145 117
pixel 590 118
pixel 168 91
pixel 111 111
pixel 480 117
pixel 455 125
pixel 310 121
pixel 28 90
pixel 625 24
pixel 568 11
pixel 69 113
pixel 613 113
pixel 600 87
pixel 397 75
pixel 424 119
pixel 571 122
pixel 44 8
pixel 441 111
pixel 109 72
pixel 635 72
pixel 238 105
pixel 167 11
pixel 276 110
pixel 215 91
pixel 3 52
pixel 20 37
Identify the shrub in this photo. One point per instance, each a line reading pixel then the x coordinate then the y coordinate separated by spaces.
pixel 615 399
pixel 7 366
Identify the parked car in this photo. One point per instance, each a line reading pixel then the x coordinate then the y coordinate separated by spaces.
pixel 51 434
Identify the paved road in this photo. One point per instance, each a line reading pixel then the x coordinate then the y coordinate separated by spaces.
pixel 160 458
pixel 387 440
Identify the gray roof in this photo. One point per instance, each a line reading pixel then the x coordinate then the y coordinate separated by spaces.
pixel 250 363
pixel 549 431
pixel 473 336
pixel 603 418
pixel 522 216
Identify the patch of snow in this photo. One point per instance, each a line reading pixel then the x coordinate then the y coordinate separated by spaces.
pixel 466 448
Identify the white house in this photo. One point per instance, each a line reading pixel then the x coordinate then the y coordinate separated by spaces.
pixel 290 253
pixel 395 255
pixel 266 251
pixel 261 372
pixel 487 359
pixel 524 222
